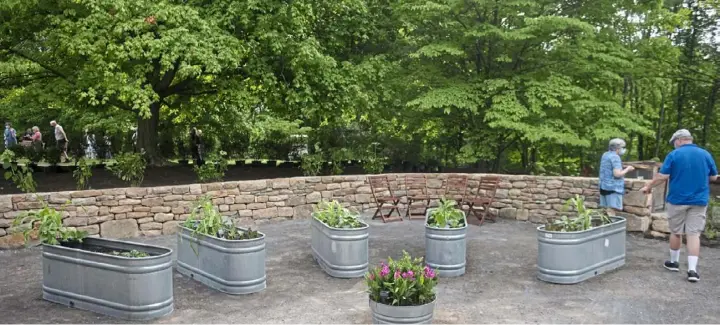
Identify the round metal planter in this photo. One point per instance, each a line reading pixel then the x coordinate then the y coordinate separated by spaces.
pixel 387 314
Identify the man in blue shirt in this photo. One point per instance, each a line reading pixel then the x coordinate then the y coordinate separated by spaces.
pixel 612 177
pixel 690 170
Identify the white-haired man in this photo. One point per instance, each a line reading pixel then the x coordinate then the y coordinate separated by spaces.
pixel 690 170
pixel 612 177
pixel 61 139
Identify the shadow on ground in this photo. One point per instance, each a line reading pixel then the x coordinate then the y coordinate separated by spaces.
pixel 499 286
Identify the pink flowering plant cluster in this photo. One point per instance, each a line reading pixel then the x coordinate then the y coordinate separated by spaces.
pixel 403 282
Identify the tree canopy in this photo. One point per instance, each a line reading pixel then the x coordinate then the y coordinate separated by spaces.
pixel 508 86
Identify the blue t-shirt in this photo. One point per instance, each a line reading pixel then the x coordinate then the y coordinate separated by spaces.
pixel 611 160
pixel 689 168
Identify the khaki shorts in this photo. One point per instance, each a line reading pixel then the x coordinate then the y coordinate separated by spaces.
pixel 688 219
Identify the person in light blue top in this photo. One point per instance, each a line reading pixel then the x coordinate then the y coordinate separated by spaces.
pixel 612 177
pixel 10 136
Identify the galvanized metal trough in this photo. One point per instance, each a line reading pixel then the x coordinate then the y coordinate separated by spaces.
pixel 573 257
pixel 230 266
pixel 445 248
pixel 388 314
pixel 341 253
pixel 122 287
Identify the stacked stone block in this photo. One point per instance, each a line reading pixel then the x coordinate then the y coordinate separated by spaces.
pixel 152 211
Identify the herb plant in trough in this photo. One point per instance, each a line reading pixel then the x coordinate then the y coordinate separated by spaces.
pixel 446 215
pixel 403 282
pixel 334 215
pixel 205 219
pixel 48 222
pixel 586 218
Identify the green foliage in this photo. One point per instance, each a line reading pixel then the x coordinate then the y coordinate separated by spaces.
pixel 214 168
pixel 403 282
pixel 334 215
pixel 374 164
pixel 586 218
pixel 51 155
pixel 82 174
pixel 205 219
pixel 48 222
pixel 446 215
pixel 131 254
pixel 312 164
pixel 522 86
pixel 21 176
pixel 129 167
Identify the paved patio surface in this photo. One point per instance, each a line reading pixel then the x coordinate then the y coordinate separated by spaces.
pixel 499 286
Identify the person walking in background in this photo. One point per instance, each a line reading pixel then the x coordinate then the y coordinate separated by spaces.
pixel 10 136
pixel 37 139
pixel 690 169
pixel 36 135
pixel 61 139
pixel 612 177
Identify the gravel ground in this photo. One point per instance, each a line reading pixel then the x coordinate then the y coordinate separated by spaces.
pixel 499 287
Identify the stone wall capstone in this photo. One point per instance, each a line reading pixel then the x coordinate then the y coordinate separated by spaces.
pixel 152 211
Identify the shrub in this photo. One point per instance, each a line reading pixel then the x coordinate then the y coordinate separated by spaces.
pixel 446 215
pixel 82 174
pixel 129 167
pixel 21 176
pixel 214 168
pixel 405 282
pixel 334 215
pixel 311 164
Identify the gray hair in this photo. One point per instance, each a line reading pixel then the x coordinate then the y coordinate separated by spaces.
pixel 35 128
pixel 616 144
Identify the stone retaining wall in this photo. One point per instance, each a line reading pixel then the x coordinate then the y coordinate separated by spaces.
pixel 132 212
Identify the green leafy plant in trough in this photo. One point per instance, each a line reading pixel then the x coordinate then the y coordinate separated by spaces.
pixel 48 222
pixel 334 215
pixel 82 174
pixel 586 218
pixel 205 219
pixel 446 215
pixel 130 167
pixel 131 253
pixel 21 176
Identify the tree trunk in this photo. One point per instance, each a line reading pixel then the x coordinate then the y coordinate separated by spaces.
pixel 147 134
pixel 709 110
pixel 660 125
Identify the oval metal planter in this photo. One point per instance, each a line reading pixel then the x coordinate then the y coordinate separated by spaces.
pixel 387 314
pixel 445 248
pixel 341 253
pixel 573 257
pixel 231 266
pixel 116 286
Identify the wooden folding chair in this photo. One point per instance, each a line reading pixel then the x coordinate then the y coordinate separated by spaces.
pixel 456 188
pixel 416 192
pixel 379 185
pixel 484 197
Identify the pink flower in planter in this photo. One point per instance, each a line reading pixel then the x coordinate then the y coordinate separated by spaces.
pixel 397 274
pixel 372 276
pixel 385 271
pixel 429 273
